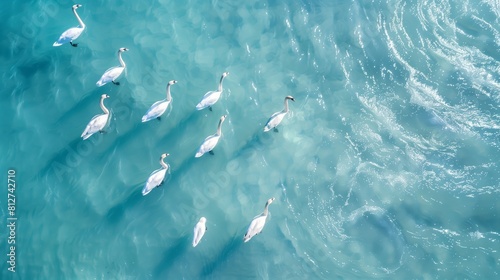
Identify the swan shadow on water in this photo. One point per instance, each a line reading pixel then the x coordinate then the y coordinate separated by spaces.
pixel 178 249
pixel 89 102
pixel 257 141
pixel 66 160
pixel 231 247
pixel 115 213
pixel 139 130
pixel 181 126
pixel 134 198
pixel 69 158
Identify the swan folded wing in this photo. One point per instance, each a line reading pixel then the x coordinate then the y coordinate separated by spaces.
pixel 258 216
pixel 156 110
pixel 73 33
pixel 275 115
pixel 255 227
pixel 208 145
pixel 274 120
pixel 110 75
pixel 68 35
pixel 199 231
pixel 154 180
pixel 62 40
pixel 209 99
pixel 96 124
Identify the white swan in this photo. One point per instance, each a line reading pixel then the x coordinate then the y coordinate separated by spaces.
pixel 257 223
pixel 114 72
pixel 98 122
pixel 159 107
pixel 156 177
pixel 211 97
pixel 211 141
pixel 277 117
pixel 71 34
pixel 199 231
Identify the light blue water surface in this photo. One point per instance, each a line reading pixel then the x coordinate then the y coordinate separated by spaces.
pixel 387 165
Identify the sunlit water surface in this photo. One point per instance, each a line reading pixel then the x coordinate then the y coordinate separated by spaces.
pixel 387 165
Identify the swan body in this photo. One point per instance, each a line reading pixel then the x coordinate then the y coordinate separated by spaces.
pixel 114 72
pixel 156 177
pixel 159 107
pixel 98 122
pixel 258 222
pixel 211 97
pixel 199 231
pixel 211 141
pixel 277 117
pixel 73 33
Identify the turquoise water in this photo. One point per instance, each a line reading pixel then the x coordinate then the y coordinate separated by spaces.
pixel 386 166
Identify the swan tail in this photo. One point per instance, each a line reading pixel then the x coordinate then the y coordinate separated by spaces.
pixel 85 136
pixel 200 106
pixel 145 118
pixel 56 44
pixel 198 154
pixel 266 128
pixel 145 191
pixel 100 83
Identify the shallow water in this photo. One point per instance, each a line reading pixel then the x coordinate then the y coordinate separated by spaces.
pixel 385 167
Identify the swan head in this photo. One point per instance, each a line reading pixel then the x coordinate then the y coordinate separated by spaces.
pixel 104 96
pixel 225 74
pixel 269 201
pixel 164 155
pixel 123 50
pixel 223 118
pixel 290 97
pixel 203 220
pixel 76 6
pixel 172 82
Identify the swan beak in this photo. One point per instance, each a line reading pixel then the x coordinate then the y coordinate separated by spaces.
pixel 164 155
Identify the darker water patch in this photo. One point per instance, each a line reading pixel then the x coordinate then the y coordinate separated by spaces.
pixel 167 260
pixel 227 252
pixel 384 243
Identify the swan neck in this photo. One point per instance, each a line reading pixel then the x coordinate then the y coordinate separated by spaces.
pixel 163 164
pixel 82 25
pixel 122 63
pixel 104 109
pixel 220 83
pixel 286 105
pixel 266 209
pixel 169 97
pixel 219 128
